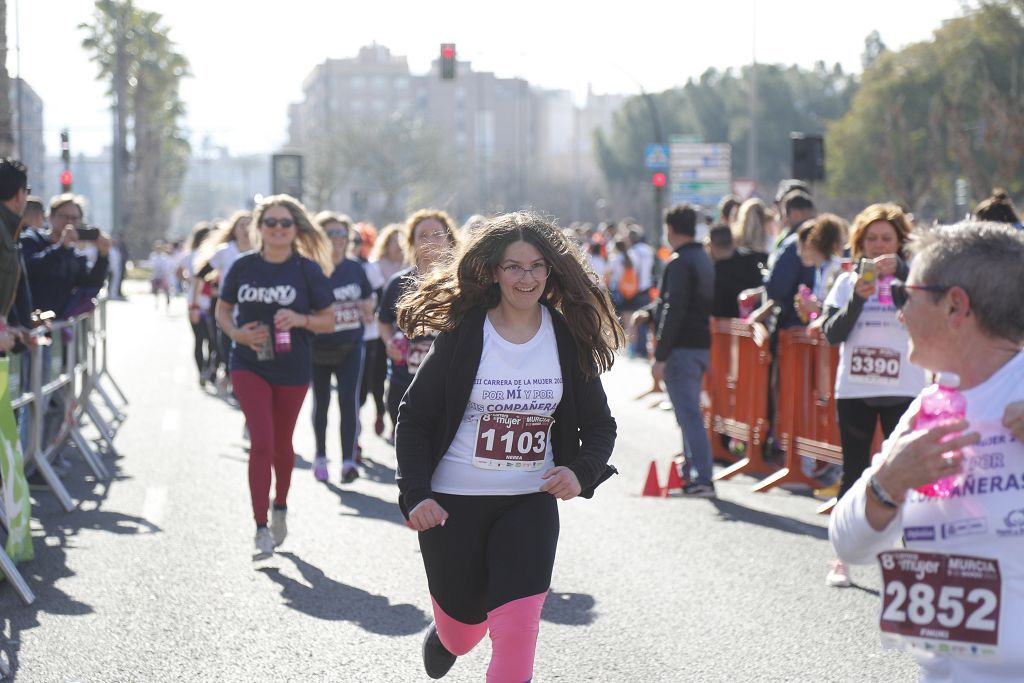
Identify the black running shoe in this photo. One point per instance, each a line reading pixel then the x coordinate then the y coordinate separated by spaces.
pixel 437 661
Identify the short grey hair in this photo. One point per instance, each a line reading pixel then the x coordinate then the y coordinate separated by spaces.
pixel 985 259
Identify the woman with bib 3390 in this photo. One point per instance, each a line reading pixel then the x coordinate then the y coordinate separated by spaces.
pixel 272 302
pixel 506 414
pixel 431 239
pixel 875 380
pixel 339 354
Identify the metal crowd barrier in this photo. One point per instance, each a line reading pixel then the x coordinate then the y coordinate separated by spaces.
pixel 67 373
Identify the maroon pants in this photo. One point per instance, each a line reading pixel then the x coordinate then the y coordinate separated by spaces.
pixel 270 413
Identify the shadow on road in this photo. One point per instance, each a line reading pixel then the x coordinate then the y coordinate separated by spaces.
pixel 379 472
pixel 54 536
pixel 325 598
pixel 733 512
pixel 569 609
pixel 367 506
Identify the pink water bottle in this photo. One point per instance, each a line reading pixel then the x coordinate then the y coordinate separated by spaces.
pixel 885 290
pixel 282 341
pixel 806 294
pixel 941 402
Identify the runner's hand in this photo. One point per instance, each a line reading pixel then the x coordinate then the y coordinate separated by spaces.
pixel 427 515
pixel 286 319
pixel 252 334
pixel 561 483
pixel 918 457
pixel 1013 419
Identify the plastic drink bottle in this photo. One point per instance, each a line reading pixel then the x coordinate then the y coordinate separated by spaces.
pixel 747 304
pixel 885 290
pixel 941 402
pixel 805 294
pixel 402 343
pixel 282 341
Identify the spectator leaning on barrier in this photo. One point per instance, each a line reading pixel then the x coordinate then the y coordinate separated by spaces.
pixel 56 271
pixel 963 564
pixel 735 271
pixel 20 316
pixel 681 356
pixel 819 245
pixel 875 380
pixel 14 191
pixel 785 271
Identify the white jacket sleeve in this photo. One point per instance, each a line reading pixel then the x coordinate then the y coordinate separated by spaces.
pixel 854 540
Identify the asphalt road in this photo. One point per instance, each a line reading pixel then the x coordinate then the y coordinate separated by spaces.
pixel 152 577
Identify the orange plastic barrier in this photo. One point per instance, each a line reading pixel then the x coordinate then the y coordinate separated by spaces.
pixel 737 389
pixel 806 421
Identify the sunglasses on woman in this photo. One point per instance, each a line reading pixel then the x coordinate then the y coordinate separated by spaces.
pixel 343 234
pixel 274 222
pixel 901 291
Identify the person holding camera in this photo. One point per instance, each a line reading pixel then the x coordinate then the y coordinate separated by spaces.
pixel 59 274
pixel 861 317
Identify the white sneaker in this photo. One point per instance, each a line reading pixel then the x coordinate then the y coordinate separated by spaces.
pixel 838 575
pixel 278 525
pixel 264 543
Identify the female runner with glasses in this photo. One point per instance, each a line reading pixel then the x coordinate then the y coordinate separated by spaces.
pixel 431 240
pixel 273 299
pixel 340 353
pixel 874 380
pixel 506 414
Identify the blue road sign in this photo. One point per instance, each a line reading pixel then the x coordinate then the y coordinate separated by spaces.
pixel 656 157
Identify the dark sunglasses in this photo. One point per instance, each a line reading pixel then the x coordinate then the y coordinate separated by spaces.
pixel 900 291
pixel 274 222
pixel 338 233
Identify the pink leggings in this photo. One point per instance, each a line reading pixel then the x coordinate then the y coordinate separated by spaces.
pixel 270 413
pixel 513 628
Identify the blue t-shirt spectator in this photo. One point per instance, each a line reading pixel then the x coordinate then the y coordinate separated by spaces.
pixel 785 276
pixel 257 289
pixel 349 285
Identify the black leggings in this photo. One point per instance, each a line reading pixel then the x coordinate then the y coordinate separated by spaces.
pixel 203 348
pixel 348 372
pixel 857 422
pixel 375 371
pixel 491 551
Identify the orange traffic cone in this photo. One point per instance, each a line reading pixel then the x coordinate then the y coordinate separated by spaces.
pixel 675 482
pixel 652 487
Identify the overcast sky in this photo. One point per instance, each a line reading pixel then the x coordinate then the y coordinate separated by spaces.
pixel 249 58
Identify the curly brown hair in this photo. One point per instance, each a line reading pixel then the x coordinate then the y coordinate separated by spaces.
pixel 442 300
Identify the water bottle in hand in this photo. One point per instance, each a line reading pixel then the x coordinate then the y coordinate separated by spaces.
pixel 941 402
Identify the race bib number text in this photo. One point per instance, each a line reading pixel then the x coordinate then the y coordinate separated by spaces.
pixel 944 604
pixel 512 441
pixel 347 316
pixel 872 365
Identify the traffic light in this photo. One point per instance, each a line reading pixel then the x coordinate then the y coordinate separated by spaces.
pixel 659 180
pixel 65 155
pixel 447 61
pixel 65 181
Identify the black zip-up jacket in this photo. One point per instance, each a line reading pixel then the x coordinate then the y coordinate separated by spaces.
pixel 683 310
pixel 582 436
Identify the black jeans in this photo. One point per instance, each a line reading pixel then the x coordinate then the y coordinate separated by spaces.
pixel 857 420
pixel 348 372
pixel 375 371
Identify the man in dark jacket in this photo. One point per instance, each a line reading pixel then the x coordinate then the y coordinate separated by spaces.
pixel 684 339
pixel 55 269
pixel 14 192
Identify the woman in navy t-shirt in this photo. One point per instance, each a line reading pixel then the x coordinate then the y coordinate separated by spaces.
pixel 431 238
pixel 271 303
pixel 340 352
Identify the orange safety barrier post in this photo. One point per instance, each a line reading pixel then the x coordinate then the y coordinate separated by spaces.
pixel 738 392
pixel 806 423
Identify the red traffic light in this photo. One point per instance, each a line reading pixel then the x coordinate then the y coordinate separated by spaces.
pixel 659 179
pixel 65 179
pixel 448 51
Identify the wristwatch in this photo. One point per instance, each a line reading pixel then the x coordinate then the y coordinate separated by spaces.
pixel 880 493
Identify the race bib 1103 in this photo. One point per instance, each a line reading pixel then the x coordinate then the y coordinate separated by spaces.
pixel 512 441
